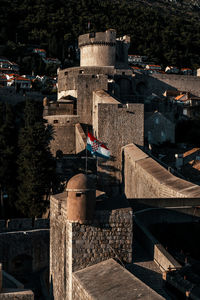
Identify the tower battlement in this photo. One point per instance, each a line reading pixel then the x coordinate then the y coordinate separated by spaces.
pixel 100 38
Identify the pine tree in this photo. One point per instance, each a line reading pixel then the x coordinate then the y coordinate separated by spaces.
pixel 36 164
pixel 8 151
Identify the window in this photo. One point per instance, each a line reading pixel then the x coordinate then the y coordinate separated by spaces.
pixel 78 194
pixel 92 35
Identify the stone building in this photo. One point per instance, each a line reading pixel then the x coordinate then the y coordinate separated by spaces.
pixel 104 97
pixel 159 128
pixel 100 98
pixel 82 251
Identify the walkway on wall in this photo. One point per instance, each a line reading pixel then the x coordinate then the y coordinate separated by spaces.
pixel 147 270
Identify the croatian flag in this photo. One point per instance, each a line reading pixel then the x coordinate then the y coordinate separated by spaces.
pixel 96 147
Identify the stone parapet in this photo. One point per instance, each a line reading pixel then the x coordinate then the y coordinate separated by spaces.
pixel 109 280
pixel 23 224
pixel 10 294
pixel 81 139
pixel 100 38
pixel 109 235
pixel 146 178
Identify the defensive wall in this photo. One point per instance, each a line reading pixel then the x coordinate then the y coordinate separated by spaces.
pixel 9 95
pixel 59 108
pixel 82 81
pixel 68 78
pixel 16 292
pixel 145 178
pixel 81 138
pixel 144 219
pixel 24 243
pixel 159 83
pixel 86 85
pixel 109 280
pixel 78 246
pixel 116 125
pixel 63 133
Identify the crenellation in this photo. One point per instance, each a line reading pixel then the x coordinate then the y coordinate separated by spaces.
pixel 23 224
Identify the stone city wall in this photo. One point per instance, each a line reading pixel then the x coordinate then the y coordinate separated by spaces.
pixel 145 178
pixel 68 78
pixel 86 85
pixel 28 243
pixel 79 246
pixel 64 133
pixel 109 280
pixel 79 292
pixel 66 108
pixel 81 139
pixel 143 221
pixel 60 251
pixel 23 224
pixel 10 294
pixel 109 235
pixel 159 83
pixel 158 253
pixel 116 125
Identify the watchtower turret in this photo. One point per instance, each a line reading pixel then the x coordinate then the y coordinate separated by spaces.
pixel 81 197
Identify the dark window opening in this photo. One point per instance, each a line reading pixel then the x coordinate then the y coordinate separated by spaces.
pixel 92 35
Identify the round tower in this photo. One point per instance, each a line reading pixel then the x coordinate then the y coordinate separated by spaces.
pixel 81 198
pixel 98 48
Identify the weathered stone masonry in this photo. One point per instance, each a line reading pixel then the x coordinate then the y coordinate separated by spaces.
pixel 145 178
pixel 78 246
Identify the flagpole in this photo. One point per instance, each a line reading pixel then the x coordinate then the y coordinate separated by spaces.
pixel 86 151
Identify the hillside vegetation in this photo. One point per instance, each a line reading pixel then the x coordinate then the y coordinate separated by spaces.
pixel 168 32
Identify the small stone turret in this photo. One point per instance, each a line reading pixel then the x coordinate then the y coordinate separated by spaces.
pixel 81 197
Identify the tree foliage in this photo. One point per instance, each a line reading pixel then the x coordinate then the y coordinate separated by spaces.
pixel 8 155
pixel 167 33
pixel 35 163
pixel 27 166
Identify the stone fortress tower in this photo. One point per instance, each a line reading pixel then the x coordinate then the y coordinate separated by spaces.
pixel 103 49
pixel 98 96
pixel 98 49
pixel 88 231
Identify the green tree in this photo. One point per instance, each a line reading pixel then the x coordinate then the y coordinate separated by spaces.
pixel 36 164
pixel 8 153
